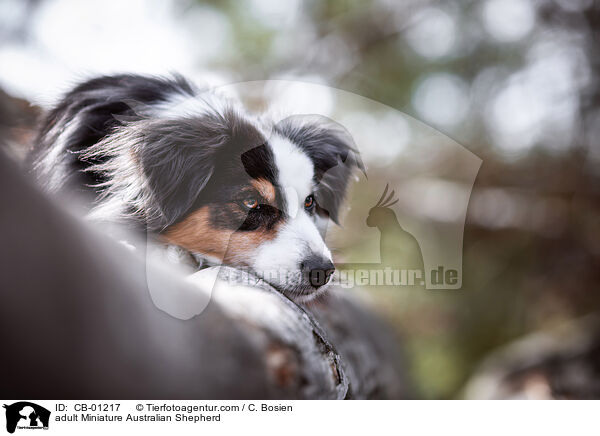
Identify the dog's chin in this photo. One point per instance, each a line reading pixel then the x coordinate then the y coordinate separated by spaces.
pixel 311 294
pixel 295 288
pixel 301 292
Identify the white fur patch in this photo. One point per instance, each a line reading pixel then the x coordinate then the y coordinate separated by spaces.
pixel 296 172
pixel 184 106
pixel 52 164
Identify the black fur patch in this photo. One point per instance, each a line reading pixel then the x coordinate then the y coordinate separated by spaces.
pixel 206 160
pixel 333 154
pixel 96 105
pixel 231 185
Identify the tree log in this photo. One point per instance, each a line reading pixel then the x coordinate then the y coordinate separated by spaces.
pixel 77 321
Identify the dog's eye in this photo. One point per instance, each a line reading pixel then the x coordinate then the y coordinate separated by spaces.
pixel 309 202
pixel 250 203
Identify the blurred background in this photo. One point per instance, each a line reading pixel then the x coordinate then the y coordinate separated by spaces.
pixel 513 81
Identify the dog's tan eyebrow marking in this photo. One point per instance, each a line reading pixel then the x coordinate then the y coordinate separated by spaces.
pixel 265 189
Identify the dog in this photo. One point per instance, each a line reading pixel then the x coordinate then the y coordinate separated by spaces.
pixel 201 173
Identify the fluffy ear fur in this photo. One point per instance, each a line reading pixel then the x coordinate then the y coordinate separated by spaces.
pixel 157 168
pixel 333 152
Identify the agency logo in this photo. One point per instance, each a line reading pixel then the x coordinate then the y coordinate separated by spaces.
pixel 26 415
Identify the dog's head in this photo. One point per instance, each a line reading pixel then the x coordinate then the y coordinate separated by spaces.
pixel 225 187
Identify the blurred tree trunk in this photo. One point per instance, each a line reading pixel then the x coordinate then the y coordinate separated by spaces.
pixel 562 363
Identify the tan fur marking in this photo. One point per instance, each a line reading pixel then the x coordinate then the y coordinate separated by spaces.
pixel 196 234
pixel 266 189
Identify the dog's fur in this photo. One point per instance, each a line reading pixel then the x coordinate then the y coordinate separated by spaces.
pixel 201 172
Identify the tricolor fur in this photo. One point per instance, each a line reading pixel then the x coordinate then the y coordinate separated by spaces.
pixel 202 173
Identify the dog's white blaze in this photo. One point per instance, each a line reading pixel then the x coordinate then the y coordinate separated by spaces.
pixel 295 168
pixel 299 236
pixel 291 196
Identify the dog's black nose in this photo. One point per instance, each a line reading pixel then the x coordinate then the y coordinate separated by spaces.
pixel 318 269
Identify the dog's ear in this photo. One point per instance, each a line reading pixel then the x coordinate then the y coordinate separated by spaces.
pixel 179 157
pixel 334 155
pixel 176 159
pixel 155 169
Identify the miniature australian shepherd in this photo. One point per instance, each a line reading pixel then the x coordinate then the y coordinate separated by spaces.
pixel 202 173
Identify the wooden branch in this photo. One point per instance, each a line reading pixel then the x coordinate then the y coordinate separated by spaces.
pixel 77 321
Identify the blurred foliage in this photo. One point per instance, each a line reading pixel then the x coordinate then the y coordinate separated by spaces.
pixel 516 279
